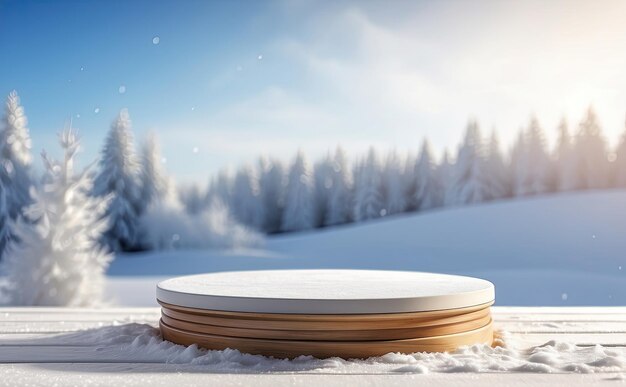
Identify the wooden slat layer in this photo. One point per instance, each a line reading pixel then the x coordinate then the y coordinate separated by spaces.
pixel 299 322
pixel 379 317
pixel 323 349
pixel 330 335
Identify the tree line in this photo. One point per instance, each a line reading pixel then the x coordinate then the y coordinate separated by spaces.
pixel 273 197
pixel 135 198
pixel 145 210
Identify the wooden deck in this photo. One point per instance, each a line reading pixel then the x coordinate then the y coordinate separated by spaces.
pixel 36 348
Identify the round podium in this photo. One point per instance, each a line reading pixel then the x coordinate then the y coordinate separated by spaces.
pixel 326 313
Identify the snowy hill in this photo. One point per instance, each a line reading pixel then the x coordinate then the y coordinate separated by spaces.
pixel 567 249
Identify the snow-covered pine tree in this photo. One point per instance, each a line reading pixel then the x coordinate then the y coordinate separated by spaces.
pixel 620 163
pixel 5 221
pixel 468 183
pixel 119 175
pixel 322 183
pixel 155 185
pixel 410 160
pixel 340 195
pixel 517 163
pixel 394 184
pixel 220 188
pixel 58 260
pixel 245 204
pixel 428 190
pixel 272 190
pixel 298 213
pixel 566 174
pixel 368 189
pixel 533 164
pixel 498 179
pixel 15 161
pixel 590 153
pixel 192 199
pixel 444 176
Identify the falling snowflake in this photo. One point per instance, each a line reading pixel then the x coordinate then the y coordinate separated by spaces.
pixel 564 296
pixel 193 108
pixel 195 149
pixel 122 89
pixel 82 69
pixel 156 40
pixel 78 116
pixel 164 160
pixel 260 57
pixel 96 110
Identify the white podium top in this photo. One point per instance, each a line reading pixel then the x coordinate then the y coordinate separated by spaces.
pixel 325 291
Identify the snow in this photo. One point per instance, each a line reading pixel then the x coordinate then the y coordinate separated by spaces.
pixel 143 343
pixel 533 250
pixel 325 291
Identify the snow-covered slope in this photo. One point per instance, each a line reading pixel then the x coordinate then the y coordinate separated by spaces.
pixel 568 249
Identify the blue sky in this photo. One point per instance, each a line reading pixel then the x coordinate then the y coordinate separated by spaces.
pixel 230 80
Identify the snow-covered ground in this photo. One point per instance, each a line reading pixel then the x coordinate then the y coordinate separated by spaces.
pixel 567 249
pixel 143 343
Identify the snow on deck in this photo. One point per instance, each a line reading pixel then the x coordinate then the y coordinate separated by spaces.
pixel 120 346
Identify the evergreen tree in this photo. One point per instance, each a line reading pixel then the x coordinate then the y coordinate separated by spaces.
pixel 5 221
pixel 220 188
pixel 272 187
pixel 368 189
pixel 192 199
pixel 154 182
pixel 620 163
pixel 517 163
pixel 298 213
pixel 340 195
pixel 119 175
pixel 410 162
pixel 469 183
pixel 323 182
pixel 590 153
pixel 58 261
pixel 394 184
pixel 15 161
pixel 533 164
pixel 245 198
pixel 497 175
pixel 444 176
pixel 428 190
pixel 566 174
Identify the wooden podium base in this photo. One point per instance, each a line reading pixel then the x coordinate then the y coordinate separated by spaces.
pixel 320 334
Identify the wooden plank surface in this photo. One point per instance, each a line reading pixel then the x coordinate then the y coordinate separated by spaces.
pixel 38 347
pixel 167 375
